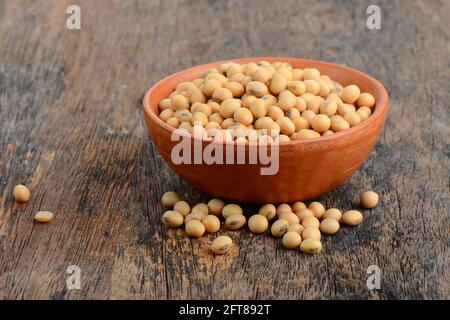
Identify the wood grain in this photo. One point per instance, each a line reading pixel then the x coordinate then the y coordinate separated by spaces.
pixel 72 129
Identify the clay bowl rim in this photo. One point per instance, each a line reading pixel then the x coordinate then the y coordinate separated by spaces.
pixel 381 104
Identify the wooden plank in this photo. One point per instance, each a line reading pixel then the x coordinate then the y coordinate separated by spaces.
pixel 72 129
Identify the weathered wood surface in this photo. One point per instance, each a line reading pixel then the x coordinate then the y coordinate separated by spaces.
pixel 71 128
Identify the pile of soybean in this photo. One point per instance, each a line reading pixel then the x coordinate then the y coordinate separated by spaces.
pixel 299 225
pixel 265 102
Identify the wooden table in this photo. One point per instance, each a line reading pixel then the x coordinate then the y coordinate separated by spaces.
pixel 71 128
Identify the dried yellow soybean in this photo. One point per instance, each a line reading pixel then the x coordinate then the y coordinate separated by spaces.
pixel 222 94
pixel 311 222
pixel 311 233
pixel 368 199
pixel 258 108
pixel 182 207
pixel 221 244
pixel 338 124
pixel 235 221
pixel 353 118
pixel 329 226
pixel 312 86
pixel 258 224
pixel 43 216
pixel 296 87
pixel 289 217
pixel 21 193
pixel 256 88
pixel 328 107
pixel 350 93
pixel 215 206
pixel 178 101
pixel 173 122
pixel 275 112
pixel 317 208
pixel 365 100
pixel 305 134
pixel 311 73
pixel 286 100
pixel 197 215
pixel 211 223
pixel 277 84
pixel 300 123
pixel 279 228
pixel 352 217
pixel 169 199
pixel 230 209
pixel 244 116
pixel 172 219
pixel 268 211
pixel 283 208
pixel 332 213
pixel 195 228
pixel 287 127
pixel 311 246
pixel 296 206
pixel 292 240
pixel 304 213
pixel 203 207
pixel 296 227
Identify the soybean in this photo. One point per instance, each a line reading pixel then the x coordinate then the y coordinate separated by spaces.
pixel 44 216
pixel 172 219
pixel 203 207
pixel 235 221
pixel 286 100
pixel 369 199
pixel 350 93
pixel 296 227
pixel 211 223
pixel 352 217
pixel 173 122
pixel 258 224
pixel 333 213
pixel 268 211
pixel 311 246
pixel 365 99
pixel 256 88
pixel 296 206
pixel 321 123
pixel 277 84
pixel 21 193
pixel 311 233
pixel 197 215
pixel 169 199
pixel 182 207
pixel 311 222
pixel 221 244
pixel 279 228
pixel 304 213
pixel 292 240
pixel 329 226
pixel 230 209
pixel 195 228
pixel 317 208
pixel 215 206
pixel 289 217
pixel 283 208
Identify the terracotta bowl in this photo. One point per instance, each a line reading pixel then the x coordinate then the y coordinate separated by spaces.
pixel 307 168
